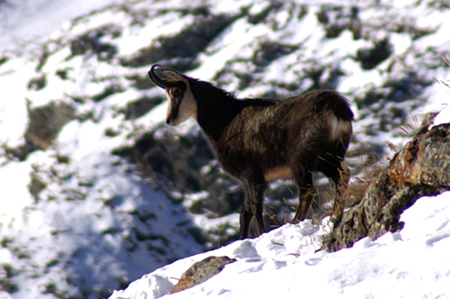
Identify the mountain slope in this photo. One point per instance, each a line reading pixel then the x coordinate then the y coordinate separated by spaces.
pixel 284 263
pixel 96 191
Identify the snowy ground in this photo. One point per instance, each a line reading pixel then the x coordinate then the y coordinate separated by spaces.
pixel 412 263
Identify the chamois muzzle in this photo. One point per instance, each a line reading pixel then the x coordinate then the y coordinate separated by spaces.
pixel 157 77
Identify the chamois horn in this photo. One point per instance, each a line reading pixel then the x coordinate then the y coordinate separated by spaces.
pixel 156 78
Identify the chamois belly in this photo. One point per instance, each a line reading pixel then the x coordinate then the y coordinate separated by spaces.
pixel 279 172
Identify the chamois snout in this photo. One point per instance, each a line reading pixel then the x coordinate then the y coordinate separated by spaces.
pixel 172 112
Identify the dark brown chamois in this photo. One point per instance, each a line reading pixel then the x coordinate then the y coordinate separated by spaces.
pixel 259 140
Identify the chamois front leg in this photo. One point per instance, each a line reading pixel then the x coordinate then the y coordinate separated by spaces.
pixel 254 188
pixel 341 182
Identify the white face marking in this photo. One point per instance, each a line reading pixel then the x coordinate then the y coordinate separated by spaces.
pixel 169 107
pixel 188 108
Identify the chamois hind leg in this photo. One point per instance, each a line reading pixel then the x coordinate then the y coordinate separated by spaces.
pixel 253 205
pixel 341 179
pixel 306 190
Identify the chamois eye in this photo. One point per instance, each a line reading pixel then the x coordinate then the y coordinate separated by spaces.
pixel 176 92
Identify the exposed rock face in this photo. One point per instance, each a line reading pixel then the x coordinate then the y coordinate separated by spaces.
pixel 46 122
pixel 187 44
pixel 44 125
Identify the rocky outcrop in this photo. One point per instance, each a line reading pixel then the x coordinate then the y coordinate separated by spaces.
pixel 420 168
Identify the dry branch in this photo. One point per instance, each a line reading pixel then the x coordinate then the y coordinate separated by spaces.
pixel 420 168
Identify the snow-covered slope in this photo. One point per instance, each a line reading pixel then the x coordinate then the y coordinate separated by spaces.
pixel 95 191
pixel 284 263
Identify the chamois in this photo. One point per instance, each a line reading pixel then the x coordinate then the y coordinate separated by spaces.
pixel 260 140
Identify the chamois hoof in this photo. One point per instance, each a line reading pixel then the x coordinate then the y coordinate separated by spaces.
pixel 297 221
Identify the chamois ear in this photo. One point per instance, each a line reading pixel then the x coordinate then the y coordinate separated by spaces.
pixel 172 74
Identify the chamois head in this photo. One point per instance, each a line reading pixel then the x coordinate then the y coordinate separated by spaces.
pixel 182 104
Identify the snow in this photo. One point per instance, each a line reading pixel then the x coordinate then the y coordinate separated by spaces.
pixel 13 113
pixel 13 28
pixel 22 198
pixel 285 263
pixel 443 117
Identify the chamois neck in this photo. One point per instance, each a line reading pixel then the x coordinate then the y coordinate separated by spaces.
pixel 215 108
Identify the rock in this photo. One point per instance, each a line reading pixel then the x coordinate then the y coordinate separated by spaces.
pixel 420 168
pixel 201 272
